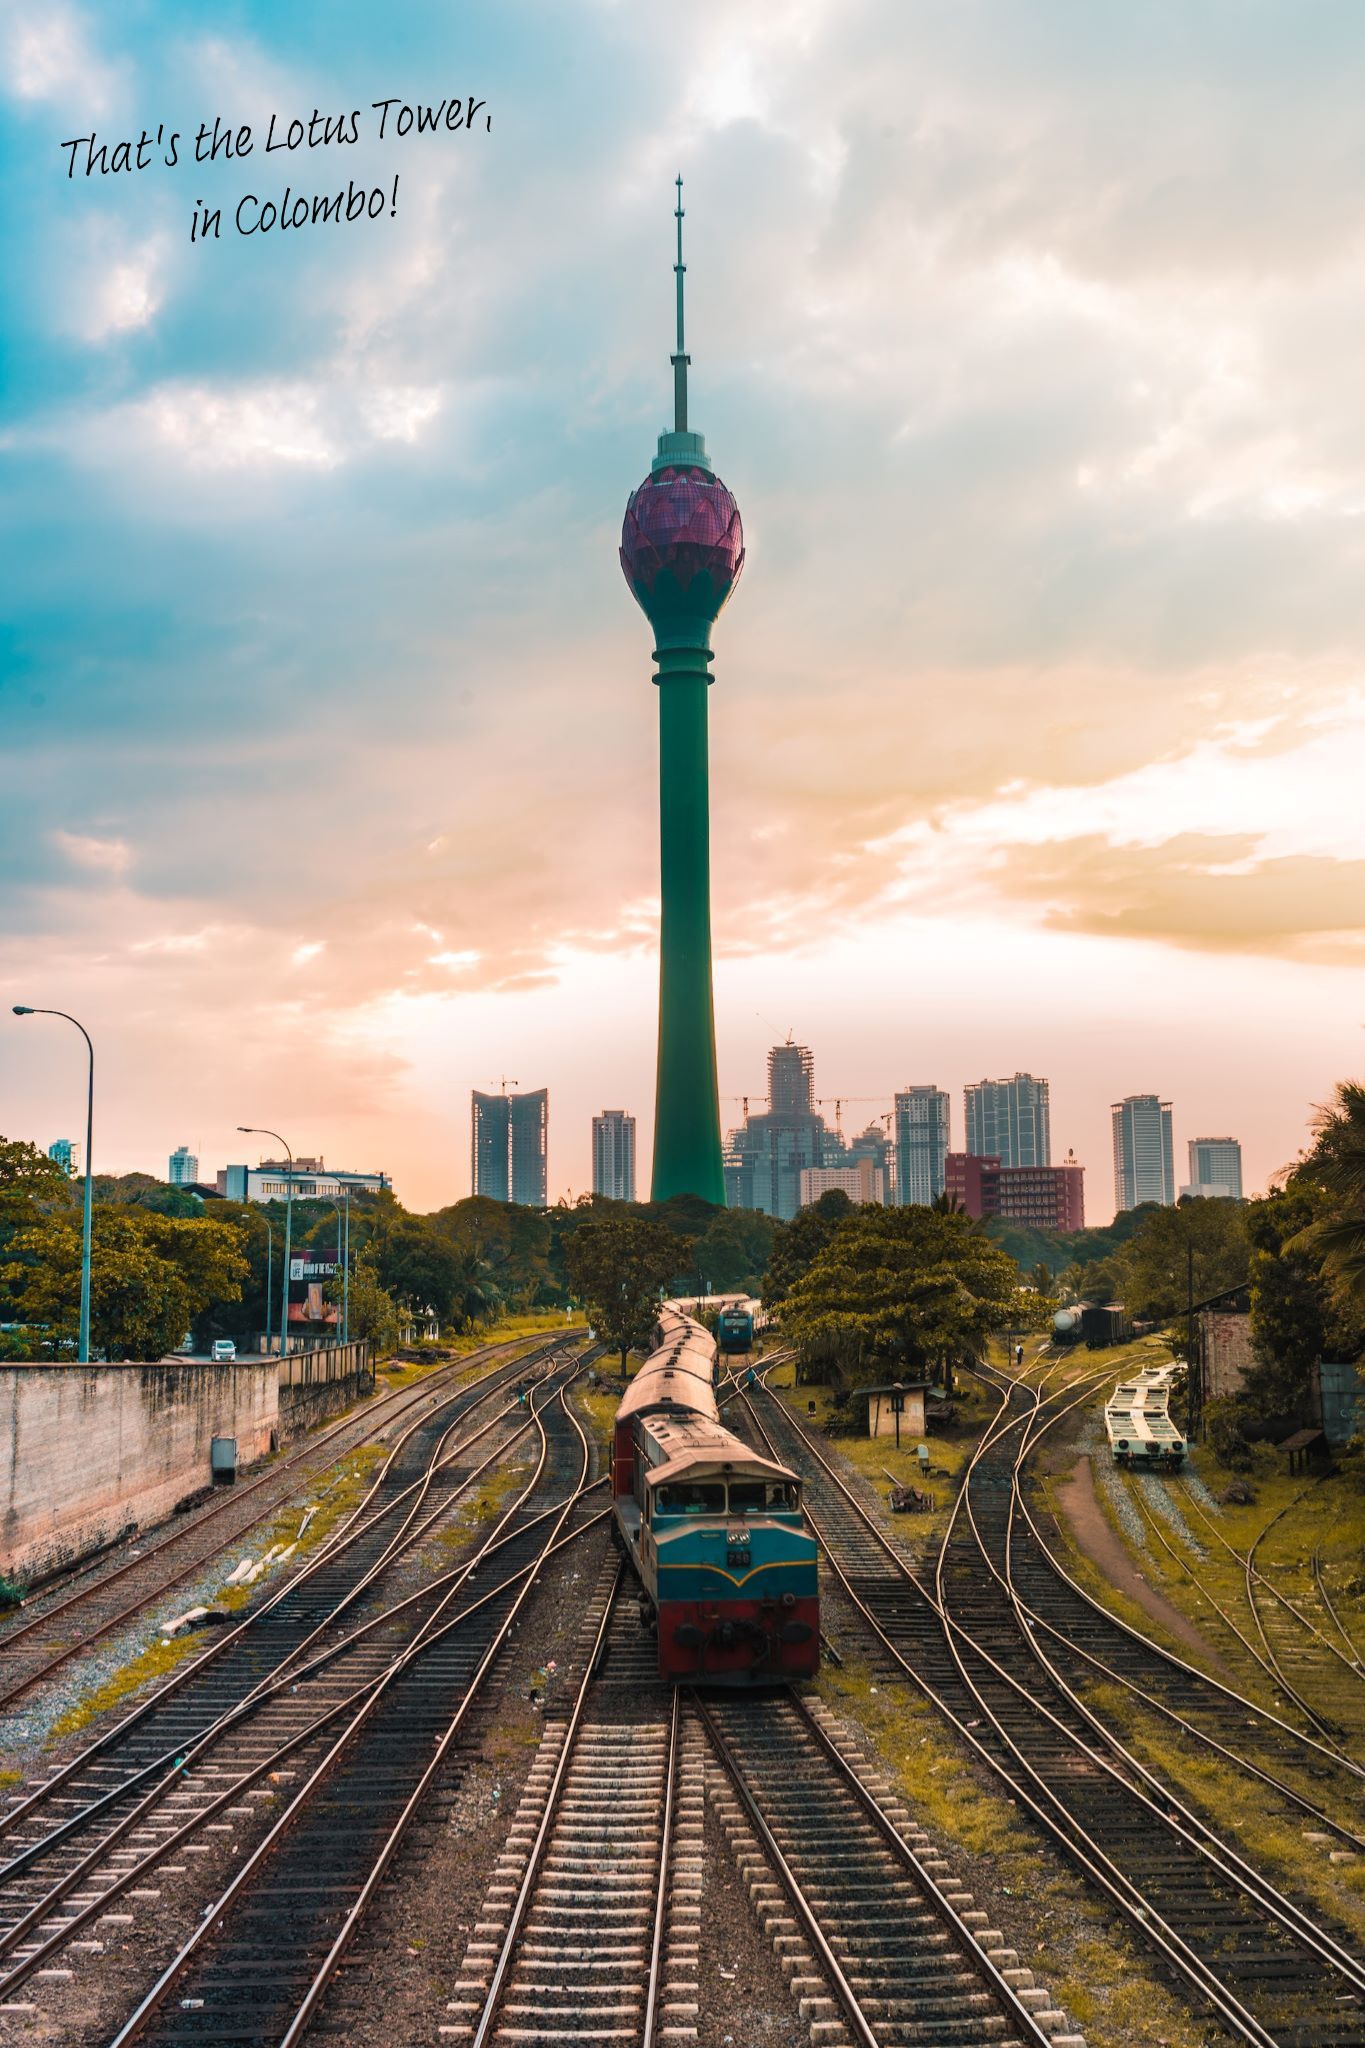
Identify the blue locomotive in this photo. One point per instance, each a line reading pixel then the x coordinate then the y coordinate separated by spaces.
pixel 715 1530
pixel 735 1329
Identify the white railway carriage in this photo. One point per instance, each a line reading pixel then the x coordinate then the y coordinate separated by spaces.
pixel 1140 1429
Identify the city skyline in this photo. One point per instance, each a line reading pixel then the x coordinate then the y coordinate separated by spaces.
pixel 793 1065
pixel 1041 411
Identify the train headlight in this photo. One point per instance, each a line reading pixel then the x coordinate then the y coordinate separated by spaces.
pixel 789 1599
pixel 1122 1444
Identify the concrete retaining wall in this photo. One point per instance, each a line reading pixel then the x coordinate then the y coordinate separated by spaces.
pixel 88 1453
pixel 315 1385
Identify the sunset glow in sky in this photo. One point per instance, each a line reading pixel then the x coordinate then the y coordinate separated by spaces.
pixel 1026 332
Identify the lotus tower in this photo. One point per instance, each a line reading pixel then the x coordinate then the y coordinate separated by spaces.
pixel 682 549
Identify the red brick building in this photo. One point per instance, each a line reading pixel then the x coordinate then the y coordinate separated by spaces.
pixel 1040 1197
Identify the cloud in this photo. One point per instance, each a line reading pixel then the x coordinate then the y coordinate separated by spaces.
pixel 1202 890
pixel 50 58
pixel 98 856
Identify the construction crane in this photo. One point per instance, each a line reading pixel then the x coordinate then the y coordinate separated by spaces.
pixel 840 1100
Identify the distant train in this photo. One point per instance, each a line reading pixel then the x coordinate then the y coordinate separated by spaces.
pixel 735 1329
pixel 1138 1424
pixel 1096 1324
pixel 716 1532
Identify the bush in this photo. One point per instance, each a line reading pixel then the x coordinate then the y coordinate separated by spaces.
pixel 1226 1436
pixel 11 1595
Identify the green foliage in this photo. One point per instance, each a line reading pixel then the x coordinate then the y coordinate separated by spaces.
pixel 374 1314
pixel 31 1187
pixel 735 1249
pixel 797 1244
pixel 145 1191
pixel 899 1292
pixel 150 1275
pixel 1337 1165
pixel 1225 1432
pixel 1152 1270
pixel 619 1265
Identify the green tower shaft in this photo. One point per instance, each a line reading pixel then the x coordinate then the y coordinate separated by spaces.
pixel 687 1153
pixel 682 549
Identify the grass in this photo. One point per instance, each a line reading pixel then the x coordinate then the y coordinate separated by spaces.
pixel 1087 1961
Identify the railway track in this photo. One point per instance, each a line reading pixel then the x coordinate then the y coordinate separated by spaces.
pixel 1268 1969
pixel 169 1779
pixel 1087 1642
pixel 121 1587
pixel 895 1951
pixel 258 1958
pixel 590 1930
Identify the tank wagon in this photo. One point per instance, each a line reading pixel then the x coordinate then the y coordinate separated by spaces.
pixel 1139 1427
pixel 715 1531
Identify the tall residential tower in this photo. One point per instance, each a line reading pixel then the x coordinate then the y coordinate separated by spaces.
pixel 1009 1121
pixel 682 549
pixel 508 1136
pixel 1144 1159
pixel 613 1155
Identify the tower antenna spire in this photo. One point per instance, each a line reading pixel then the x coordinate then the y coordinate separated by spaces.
pixel 680 359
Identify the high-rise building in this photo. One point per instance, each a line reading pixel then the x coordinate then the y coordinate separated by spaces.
pixel 1215 1168
pixel 508 1146
pixel 791 1078
pixel 863 1181
pixel 1009 1121
pixel 490 1154
pixel 183 1167
pixel 530 1148
pixel 922 1131
pixel 1040 1197
pixel 682 550
pixel 766 1156
pixel 64 1151
pixel 1144 1160
pixel 613 1155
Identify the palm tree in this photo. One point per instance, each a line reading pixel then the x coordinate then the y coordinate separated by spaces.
pixel 1337 1163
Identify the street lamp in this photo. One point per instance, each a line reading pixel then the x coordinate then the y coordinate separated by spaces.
pixel 260 1131
pixel 26 1010
pixel 344 1251
pixel 269 1271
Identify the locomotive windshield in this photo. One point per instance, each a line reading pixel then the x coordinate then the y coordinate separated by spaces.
pixel 692 1497
pixel 747 1497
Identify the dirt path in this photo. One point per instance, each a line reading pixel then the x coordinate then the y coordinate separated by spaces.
pixel 1096 1538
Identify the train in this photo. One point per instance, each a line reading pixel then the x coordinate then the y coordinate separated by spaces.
pixel 716 1532
pixel 1136 1419
pixel 735 1329
pixel 1097 1324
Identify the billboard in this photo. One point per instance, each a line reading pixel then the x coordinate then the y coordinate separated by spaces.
pixel 309 1272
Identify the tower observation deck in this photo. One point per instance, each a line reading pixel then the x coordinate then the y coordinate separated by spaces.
pixel 682 550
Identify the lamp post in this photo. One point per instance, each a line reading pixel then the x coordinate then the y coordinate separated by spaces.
pixel 344 1251
pixel 260 1131
pixel 269 1271
pixel 27 1010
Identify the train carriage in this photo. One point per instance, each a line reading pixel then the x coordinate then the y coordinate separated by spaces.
pixel 1136 1419
pixel 715 1530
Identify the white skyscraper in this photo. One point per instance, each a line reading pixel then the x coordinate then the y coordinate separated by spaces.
pixel 613 1155
pixel 1010 1121
pixel 1215 1168
pixel 183 1168
pixel 1144 1159
pixel 922 1140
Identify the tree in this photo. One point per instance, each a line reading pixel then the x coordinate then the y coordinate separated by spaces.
pixel 1337 1164
pixel 374 1315
pixel 150 1275
pixel 797 1244
pixel 1153 1270
pixel 735 1249
pixel 31 1185
pixel 897 1291
pixel 618 1267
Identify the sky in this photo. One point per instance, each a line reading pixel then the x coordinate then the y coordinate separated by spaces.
pixel 1027 334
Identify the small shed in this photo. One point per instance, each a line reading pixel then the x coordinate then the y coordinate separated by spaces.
pixel 1306 1447
pixel 883 1414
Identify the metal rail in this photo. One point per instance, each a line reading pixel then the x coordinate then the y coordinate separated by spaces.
pixel 341 1752
pixel 1028 1786
pixel 403 1399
